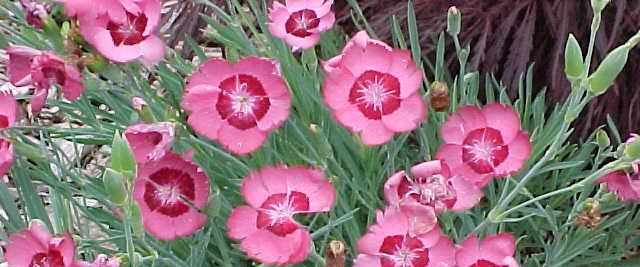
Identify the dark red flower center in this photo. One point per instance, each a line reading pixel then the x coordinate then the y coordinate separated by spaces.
pixel 242 101
pixel 485 263
pixel 302 22
pixel 403 251
pixel 435 190
pixel 276 213
pixel 376 94
pixel 484 149
pixel 52 258
pixel 4 121
pixel 169 191
pixel 53 72
pixel 130 32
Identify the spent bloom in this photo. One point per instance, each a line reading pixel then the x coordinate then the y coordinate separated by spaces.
pixel 150 141
pixel 35 12
pixel 300 23
pixel 266 226
pixel 36 247
pixel 494 251
pixel 626 185
pixel 373 91
pixel 431 184
pixel 42 69
pixel 170 192
pixel 480 144
pixel 121 30
pixel 237 104
pixel 392 242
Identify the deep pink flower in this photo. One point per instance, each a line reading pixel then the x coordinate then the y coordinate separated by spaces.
pixel 373 91
pixel 170 192
pixel 360 40
pixel 237 104
pixel 42 69
pixel 121 30
pixel 36 247
pixel 392 242
pixel 299 23
pixel 8 110
pixel 493 251
pixel 150 141
pixel 35 12
pixel 431 184
pixel 625 185
pixel 482 144
pixel 6 156
pixel 266 227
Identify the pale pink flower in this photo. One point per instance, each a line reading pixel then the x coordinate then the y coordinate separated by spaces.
pixel 35 12
pixel 171 191
pixel 121 30
pixel 36 247
pixel 480 144
pixel 432 184
pixel 8 110
pixel 494 251
pixel 300 23
pixel 150 141
pixel 138 103
pixel 237 104
pixel 6 156
pixel 104 261
pixel 266 227
pixel 392 242
pixel 373 91
pixel 625 185
pixel 42 69
pixel 360 40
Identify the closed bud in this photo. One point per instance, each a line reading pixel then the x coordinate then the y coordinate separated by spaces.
pixel 114 187
pixel 599 5
pixel 122 160
pixel 632 147
pixel 454 21
pixel 602 139
pixel 439 96
pixel 573 59
pixel 608 70
pixel 335 254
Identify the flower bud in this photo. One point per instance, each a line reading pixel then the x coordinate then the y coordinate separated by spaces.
pixel 599 5
pixel 609 69
pixel 114 187
pixel 602 139
pixel 590 214
pixel 573 59
pixel 453 21
pixel 122 159
pixel 439 96
pixel 632 147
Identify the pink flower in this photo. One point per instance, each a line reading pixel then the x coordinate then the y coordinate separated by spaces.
pixel 150 141
pixel 104 261
pixel 299 23
pixel 493 251
pixel 373 91
pixel 6 156
pixel 8 110
pixel 42 69
pixel 482 144
pixel 138 103
pixel 266 227
pixel 625 185
pixel 35 12
pixel 121 30
pixel 170 192
pixel 36 247
pixel 392 242
pixel 237 104
pixel 431 184
pixel 360 40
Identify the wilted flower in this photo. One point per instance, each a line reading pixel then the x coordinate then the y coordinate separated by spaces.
pixel 150 141
pixel 42 69
pixel 493 251
pixel 299 23
pixel 36 247
pixel 274 196
pixel 390 242
pixel 35 12
pixel 237 104
pixel 439 96
pixel 431 184
pixel 373 91
pixel 482 144
pixel 624 184
pixel 170 192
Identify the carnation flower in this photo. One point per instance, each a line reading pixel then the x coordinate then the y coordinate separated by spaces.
pixel 360 40
pixel 42 69
pixel 266 226
pixel 35 12
pixel 393 242
pixel 299 23
pixel 36 247
pixel 431 184
pixel 121 30
pixel 482 144
pixel 150 141
pixel 373 91
pixel 493 251
pixel 237 104
pixel 625 185
pixel 8 110
pixel 170 192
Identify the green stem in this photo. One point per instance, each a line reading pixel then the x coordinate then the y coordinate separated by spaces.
pixel 595 25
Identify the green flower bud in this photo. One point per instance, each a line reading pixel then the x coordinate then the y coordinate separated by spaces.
pixel 573 59
pixel 599 5
pixel 122 159
pixel 454 21
pixel 608 70
pixel 602 139
pixel 114 187
pixel 632 148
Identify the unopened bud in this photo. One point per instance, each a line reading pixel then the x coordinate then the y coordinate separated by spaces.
pixel 453 21
pixel 599 5
pixel 609 69
pixel 632 147
pixel 573 61
pixel 138 103
pixel 602 139
pixel 35 13
pixel 439 96
pixel 335 254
